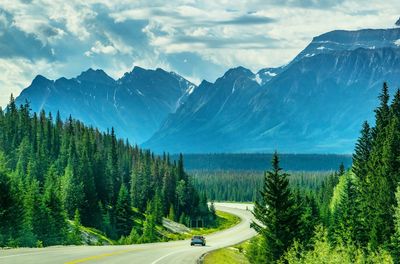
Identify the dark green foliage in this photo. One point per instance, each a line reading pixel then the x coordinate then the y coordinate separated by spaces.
pixel 344 224
pixel 50 170
pixel 243 186
pixel 75 236
pixel 56 226
pixel 359 208
pixel 277 213
pixel 382 175
pixel 395 243
pixel 123 213
pixel 256 161
pixel 309 216
pixel 213 212
pixel 149 225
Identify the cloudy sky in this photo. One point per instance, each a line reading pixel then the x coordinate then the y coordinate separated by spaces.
pixel 197 39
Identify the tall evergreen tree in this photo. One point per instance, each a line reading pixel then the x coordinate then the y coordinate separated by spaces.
pixel 379 190
pixel 149 225
pixel 277 213
pixel 345 224
pixel 57 227
pixel 123 213
pixel 72 191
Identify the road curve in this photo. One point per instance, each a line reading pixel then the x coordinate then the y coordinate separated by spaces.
pixel 173 252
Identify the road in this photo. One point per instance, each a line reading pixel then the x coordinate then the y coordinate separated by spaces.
pixel 173 252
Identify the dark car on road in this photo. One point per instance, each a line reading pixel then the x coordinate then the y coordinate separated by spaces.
pixel 198 240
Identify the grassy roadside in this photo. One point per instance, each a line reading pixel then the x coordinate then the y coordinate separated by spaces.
pixel 224 221
pixel 228 255
pixel 92 236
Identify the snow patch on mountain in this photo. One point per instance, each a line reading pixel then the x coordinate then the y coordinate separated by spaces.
pixel 258 79
pixel 272 74
pixel 191 89
pixel 397 43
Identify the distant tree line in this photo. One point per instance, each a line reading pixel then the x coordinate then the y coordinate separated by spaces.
pixel 52 171
pixel 256 161
pixel 353 218
pixel 244 186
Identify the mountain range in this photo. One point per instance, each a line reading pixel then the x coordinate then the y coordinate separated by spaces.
pixel 314 104
pixel 134 105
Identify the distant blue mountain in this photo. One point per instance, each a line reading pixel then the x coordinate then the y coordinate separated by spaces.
pixel 315 104
pixel 135 105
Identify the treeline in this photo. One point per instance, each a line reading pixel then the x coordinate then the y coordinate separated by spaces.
pixel 353 218
pixel 256 161
pixel 244 186
pixel 52 171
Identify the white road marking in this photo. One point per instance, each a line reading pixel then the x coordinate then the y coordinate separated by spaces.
pixel 169 254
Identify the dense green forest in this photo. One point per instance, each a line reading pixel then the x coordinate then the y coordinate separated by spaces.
pixel 353 218
pixel 256 161
pixel 244 186
pixel 55 173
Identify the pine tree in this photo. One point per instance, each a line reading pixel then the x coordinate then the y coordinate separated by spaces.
pixel 57 226
pixel 345 223
pixel 309 216
pixel 75 236
pixel 380 194
pixel 181 194
pixel 72 191
pixel 277 213
pixel 171 214
pixel 112 175
pixel 362 152
pixel 7 203
pixel 123 213
pixel 396 236
pixel 149 226
pixel 90 210
pixel 213 213
pixel 169 189
pixel 157 207
pixel 31 202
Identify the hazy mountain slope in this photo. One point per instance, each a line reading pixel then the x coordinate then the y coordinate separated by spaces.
pixel 315 104
pixel 134 105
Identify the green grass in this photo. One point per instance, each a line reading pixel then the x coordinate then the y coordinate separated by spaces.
pixel 228 255
pixel 224 221
pixel 101 238
pixel 100 235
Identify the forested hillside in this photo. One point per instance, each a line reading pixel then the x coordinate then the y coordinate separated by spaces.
pixel 52 171
pixel 353 218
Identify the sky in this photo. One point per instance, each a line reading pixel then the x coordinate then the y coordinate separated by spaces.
pixel 197 39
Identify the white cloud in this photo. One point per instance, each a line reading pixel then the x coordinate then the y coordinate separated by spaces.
pixel 100 48
pixel 116 36
pixel 16 75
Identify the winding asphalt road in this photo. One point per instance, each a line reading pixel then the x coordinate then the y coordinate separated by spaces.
pixel 173 252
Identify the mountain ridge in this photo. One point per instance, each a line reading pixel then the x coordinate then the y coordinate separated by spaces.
pixel 308 106
pixel 134 105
